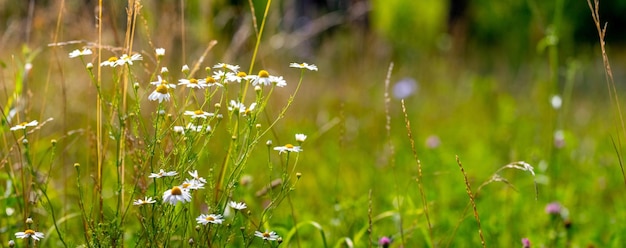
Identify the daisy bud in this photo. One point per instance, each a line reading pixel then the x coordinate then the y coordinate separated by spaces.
pixel 185 69
pixel 89 66
pixel 25 141
pixel 234 137
pixel 76 165
pixel 207 69
pixel 257 88
pixel 218 105
pixel 258 126
pixel 298 175
pixel 53 142
pixel 160 52
pixel 164 71
pixel 29 220
pixel 11 243
pixel 268 143
pixel 136 85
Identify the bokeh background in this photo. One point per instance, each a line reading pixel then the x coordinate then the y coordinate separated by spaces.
pixel 477 78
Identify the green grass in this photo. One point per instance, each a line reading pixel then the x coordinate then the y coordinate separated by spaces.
pixel 357 178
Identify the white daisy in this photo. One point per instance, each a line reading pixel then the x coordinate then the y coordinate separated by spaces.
pixel 125 59
pixel 240 107
pixel 112 62
pixel 278 81
pixel 287 148
pixel 211 81
pixel 192 83
pixel 263 78
pixel 163 173
pixel 29 234
pixel 192 184
pixel 176 194
pixel 198 114
pixel 23 125
pixel 78 53
pixel 161 81
pixel 237 205
pixel 194 174
pixel 197 128
pixel 179 129
pixel 303 66
pixel 146 200
pixel 236 78
pixel 267 235
pixel 160 52
pixel 205 219
pixel 223 66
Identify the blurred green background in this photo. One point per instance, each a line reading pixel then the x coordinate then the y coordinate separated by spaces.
pixel 479 82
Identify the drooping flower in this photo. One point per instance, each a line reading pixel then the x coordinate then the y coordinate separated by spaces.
pixel 223 66
pixel 192 184
pixel 198 114
pixel 192 83
pixel 287 148
pixel 237 205
pixel 304 66
pixel 23 125
pixel 163 173
pixel 125 59
pixel 78 53
pixel 267 235
pixel 300 137
pixel 146 200
pixel 194 175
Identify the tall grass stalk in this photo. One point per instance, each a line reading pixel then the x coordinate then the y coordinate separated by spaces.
pixel 608 73
pixel 468 189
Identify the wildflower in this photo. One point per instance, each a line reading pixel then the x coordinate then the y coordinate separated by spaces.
pixel 236 78
pixel 303 66
pixel 237 205
pixel 112 62
pixel 163 173
pixel 233 68
pixel 23 125
pixel 556 101
pixel 161 93
pixel 146 200
pixel 205 219
pixel 263 78
pixel 79 53
pixel 178 129
pixel 125 59
pixel 29 220
pixel 89 66
pixel 300 137
pixel 192 184
pixel 384 241
pixel 198 128
pixel 192 83
pixel 185 69
pixel 525 243
pixel 194 174
pixel 160 52
pixel 240 107
pixel 553 208
pixel 278 81
pixel 164 70
pixel 161 81
pixel 287 148
pixel 199 114
pixel 11 243
pixel 176 194
pixel 211 81
pixel 29 233
pixel 267 235
pixel 433 141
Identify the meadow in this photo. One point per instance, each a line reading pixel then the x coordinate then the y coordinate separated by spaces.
pixel 199 124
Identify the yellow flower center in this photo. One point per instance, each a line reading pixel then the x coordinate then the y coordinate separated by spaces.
pixel 210 80
pixel 23 124
pixel 29 232
pixel 162 88
pixel 289 146
pixel 241 74
pixel 199 112
pixel 264 74
pixel 177 191
pixel 112 59
pixel 210 218
pixel 266 235
pixel 193 81
pixel 186 185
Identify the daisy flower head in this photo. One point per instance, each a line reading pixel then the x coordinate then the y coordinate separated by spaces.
pixel 287 148
pixel 78 53
pixel 278 81
pixel 199 114
pixel 192 83
pixel 205 219
pixel 176 194
pixel 300 138
pixel 263 78
pixel 163 173
pixel 194 175
pixel 240 107
pixel 224 66
pixel 237 205
pixel 304 66
pixel 125 59
pixel 29 233
pixel 267 235
pixel 194 184
pixel 146 200
pixel 197 128
pixel 161 81
pixel 236 78
pixel 161 93
pixel 23 125
pixel 112 62
pixel 179 129
pixel 211 81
